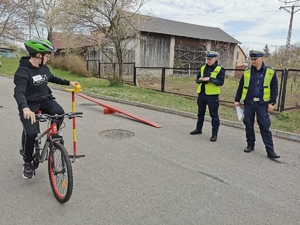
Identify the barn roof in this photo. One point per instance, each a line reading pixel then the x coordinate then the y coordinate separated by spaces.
pixel 175 28
pixel 60 41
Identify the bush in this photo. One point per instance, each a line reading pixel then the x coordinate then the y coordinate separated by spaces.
pixel 73 63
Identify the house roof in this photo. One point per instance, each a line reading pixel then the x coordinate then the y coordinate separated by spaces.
pixel 153 25
pixel 57 40
pixel 2 47
pixel 75 40
pixel 171 27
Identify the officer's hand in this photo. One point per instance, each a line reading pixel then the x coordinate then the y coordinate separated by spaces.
pixel 205 79
pixel 236 104
pixel 28 114
pixel 198 81
pixel 270 108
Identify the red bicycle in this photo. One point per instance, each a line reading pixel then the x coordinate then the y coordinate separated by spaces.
pixel 53 150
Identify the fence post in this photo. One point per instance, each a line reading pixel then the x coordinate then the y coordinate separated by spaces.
pixel 134 75
pixel 99 69
pixel 286 73
pixel 163 79
pixel 280 91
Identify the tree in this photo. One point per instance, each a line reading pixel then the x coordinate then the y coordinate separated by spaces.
pixel 113 22
pixel 38 17
pixel 267 51
pixel 32 18
pixel 51 17
pixel 285 58
pixel 10 23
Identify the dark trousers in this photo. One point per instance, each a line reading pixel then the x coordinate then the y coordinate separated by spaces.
pixel 264 123
pixel 212 101
pixel 51 107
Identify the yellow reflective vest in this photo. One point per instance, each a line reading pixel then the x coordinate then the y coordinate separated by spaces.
pixel 210 88
pixel 267 82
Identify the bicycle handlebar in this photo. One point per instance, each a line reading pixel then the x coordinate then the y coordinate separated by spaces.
pixel 69 115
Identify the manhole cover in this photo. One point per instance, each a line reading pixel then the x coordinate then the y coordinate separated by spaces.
pixel 117 134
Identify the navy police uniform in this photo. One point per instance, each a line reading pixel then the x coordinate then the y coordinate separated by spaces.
pixel 257 89
pixel 208 94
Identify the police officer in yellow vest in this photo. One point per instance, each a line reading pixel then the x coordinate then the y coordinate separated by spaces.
pixel 210 77
pixel 258 89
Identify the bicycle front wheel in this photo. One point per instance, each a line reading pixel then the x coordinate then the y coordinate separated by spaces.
pixel 60 173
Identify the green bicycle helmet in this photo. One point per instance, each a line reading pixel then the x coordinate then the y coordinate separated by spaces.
pixel 39 45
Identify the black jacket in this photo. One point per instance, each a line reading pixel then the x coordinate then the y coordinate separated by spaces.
pixel 31 83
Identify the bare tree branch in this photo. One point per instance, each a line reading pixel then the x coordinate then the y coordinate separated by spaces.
pixel 10 24
pixel 112 23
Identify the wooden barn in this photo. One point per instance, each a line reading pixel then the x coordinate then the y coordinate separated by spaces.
pixel 183 44
pixel 172 44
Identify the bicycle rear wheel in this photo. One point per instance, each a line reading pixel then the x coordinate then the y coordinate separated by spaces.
pixel 60 173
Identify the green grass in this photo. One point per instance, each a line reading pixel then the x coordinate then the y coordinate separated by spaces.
pixel 9 66
pixel 286 121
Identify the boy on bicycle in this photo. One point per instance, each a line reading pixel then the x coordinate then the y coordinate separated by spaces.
pixel 33 94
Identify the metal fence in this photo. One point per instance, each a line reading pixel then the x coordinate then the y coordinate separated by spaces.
pixel 181 81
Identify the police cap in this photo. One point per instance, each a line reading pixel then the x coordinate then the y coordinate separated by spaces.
pixel 211 54
pixel 255 54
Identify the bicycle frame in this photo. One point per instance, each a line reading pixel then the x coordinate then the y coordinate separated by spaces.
pixel 42 152
pixel 52 134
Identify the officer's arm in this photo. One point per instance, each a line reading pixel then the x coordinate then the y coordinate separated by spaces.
pixel 274 89
pixel 239 90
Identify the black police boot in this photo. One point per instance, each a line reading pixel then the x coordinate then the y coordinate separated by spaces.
pixel 272 155
pixel 213 138
pixel 196 132
pixel 248 149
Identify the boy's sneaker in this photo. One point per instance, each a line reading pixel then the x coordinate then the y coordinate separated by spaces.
pixel 28 170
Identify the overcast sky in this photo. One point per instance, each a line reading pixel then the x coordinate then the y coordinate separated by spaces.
pixel 254 23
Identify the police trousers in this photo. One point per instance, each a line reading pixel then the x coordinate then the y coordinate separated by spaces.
pixel 212 101
pixel 263 120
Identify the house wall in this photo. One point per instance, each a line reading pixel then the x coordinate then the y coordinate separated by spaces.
pixel 158 50
pixel 226 51
pixel 6 52
pixel 155 50
pixel 189 52
pixel 240 57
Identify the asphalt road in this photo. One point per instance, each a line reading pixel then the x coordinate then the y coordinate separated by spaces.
pixel 157 176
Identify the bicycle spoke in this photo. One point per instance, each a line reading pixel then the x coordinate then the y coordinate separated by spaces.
pixel 61 177
pixel 60 173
